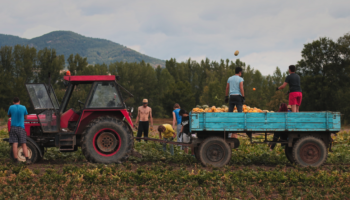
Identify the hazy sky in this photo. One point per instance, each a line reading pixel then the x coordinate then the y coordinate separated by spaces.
pixel 267 33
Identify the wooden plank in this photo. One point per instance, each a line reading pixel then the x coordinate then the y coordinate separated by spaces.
pixel 307 126
pixel 222 125
pixel 194 121
pixel 271 126
pixel 336 122
pixel 268 120
pixel 307 120
pixel 307 115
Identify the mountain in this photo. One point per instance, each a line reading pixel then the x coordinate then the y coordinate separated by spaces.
pixel 96 50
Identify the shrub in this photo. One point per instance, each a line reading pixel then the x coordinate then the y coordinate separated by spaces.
pixel 3 113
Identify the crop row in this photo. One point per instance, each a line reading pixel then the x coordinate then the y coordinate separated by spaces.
pixel 160 180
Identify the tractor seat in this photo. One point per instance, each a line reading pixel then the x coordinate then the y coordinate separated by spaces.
pixel 78 113
pixel 70 115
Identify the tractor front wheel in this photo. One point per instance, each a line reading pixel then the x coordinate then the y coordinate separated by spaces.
pixel 107 140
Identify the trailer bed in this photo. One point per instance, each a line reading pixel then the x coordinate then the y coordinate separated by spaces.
pixel 266 122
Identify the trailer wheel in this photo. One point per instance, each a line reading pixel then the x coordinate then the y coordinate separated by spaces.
pixel 214 151
pixel 196 153
pixel 107 140
pixel 33 154
pixel 310 151
pixel 289 154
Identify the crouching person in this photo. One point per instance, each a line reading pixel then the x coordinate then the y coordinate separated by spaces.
pixel 167 132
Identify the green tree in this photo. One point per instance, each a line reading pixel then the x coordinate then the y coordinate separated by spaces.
pixel 276 101
pixel 49 62
pixel 181 93
pixel 76 64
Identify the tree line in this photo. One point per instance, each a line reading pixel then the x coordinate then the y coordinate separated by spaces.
pixel 324 70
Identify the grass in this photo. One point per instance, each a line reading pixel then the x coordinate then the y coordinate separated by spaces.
pixel 253 173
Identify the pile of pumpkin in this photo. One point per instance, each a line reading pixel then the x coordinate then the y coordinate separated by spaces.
pixel 253 110
pixel 206 108
pixel 224 108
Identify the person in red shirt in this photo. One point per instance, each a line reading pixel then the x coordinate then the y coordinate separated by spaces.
pixel 295 95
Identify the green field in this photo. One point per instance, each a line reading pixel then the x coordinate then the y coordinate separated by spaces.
pixel 253 173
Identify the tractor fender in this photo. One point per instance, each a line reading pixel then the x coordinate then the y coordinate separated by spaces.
pixel 31 141
pixel 127 124
pixel 36 145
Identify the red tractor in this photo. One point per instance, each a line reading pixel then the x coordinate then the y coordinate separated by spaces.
pixel 102 128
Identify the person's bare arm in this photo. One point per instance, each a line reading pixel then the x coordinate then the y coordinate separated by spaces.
pixel 241 87
pixel 227 88
pixel 174 120
pixel 160 135
pixel 25 116
pixel 283 86
pixel 182 128
pixel 174 134
pixel 150 115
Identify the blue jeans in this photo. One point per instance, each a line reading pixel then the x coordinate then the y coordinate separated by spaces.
pixel 170 145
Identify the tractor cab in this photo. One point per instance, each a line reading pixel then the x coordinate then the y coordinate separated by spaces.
pixel 103 95
pixel 67 128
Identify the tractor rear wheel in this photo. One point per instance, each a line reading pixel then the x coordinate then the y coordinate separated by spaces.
pixel 107 140
pixel 310 151
pixel 33 153
pixel 215 151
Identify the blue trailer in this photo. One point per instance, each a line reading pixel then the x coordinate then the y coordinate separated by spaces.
pixel 308 133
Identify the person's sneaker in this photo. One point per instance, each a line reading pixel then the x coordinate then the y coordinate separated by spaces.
pixel 28 161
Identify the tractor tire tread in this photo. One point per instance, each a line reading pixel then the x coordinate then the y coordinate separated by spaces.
pixel 112 120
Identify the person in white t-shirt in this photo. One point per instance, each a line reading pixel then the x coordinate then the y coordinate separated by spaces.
pixel 235 91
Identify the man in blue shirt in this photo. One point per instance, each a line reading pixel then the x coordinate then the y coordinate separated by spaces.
pixel 17 133
pixel 235 91
pixel 177 119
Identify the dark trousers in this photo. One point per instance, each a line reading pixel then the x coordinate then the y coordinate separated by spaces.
pixel 236 100
pixel 143 127
pixel 276 137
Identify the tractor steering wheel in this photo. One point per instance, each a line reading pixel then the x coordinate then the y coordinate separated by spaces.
pixel 80 103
